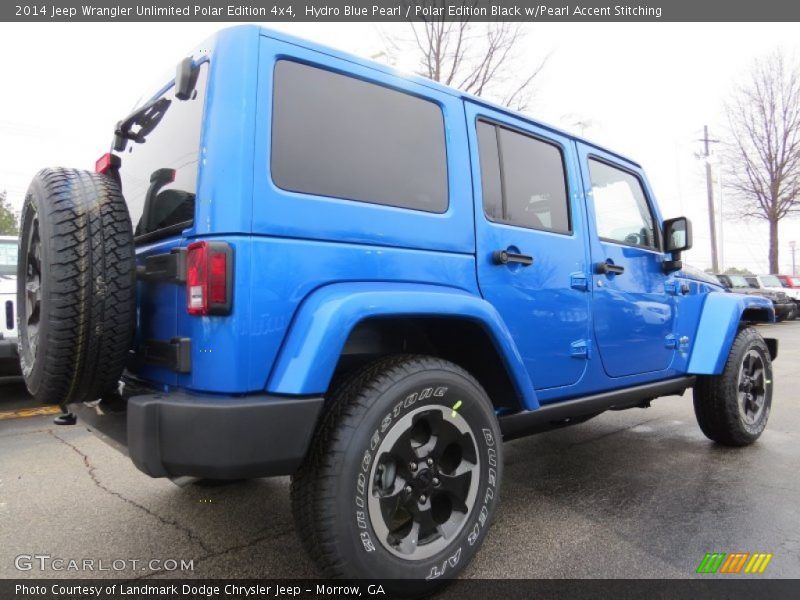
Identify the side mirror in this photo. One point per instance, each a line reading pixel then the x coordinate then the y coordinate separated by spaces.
pixel 185 78
pixel 677 238
pixel 677 234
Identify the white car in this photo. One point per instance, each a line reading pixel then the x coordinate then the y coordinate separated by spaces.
pixel 772 283
pixel 9 360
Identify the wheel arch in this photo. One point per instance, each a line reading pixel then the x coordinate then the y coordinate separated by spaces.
pixel 721 317
pixel 341 325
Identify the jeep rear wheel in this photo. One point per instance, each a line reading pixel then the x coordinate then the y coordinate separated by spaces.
pixel 75 286
pixel 733 408
pixel 402 478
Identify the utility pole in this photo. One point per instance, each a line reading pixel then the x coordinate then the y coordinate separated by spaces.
pixel 792 245
pixel 712 221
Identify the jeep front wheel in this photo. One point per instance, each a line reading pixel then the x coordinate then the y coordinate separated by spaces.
pixel 402 478
pixel 733 408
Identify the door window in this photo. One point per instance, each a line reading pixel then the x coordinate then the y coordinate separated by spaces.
pixel 620 206
pixel 523 180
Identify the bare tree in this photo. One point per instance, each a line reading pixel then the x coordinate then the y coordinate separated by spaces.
pixel 763 154
pixel 479 58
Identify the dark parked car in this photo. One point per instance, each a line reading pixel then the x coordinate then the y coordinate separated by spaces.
pixel 785 308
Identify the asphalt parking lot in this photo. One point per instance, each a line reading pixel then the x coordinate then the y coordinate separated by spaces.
pixel 638 493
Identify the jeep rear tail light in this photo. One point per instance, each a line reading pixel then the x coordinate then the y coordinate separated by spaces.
pixel 106 163
pixel 209 269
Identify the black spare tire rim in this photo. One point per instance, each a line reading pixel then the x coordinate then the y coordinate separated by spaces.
pixel 424 482
pixel 33 287
pixel 752 388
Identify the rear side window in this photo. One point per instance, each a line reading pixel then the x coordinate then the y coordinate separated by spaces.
pixel 159 175
pixel 334 135
pixel 523 180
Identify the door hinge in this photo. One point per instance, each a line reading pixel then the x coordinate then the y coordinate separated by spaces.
pixel 672 342
pixel 581 349
pixel 166 267
pixel 174 354
pixel 578 281
pixel 675 287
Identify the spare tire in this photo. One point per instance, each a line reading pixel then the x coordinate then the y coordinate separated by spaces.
pixel 75 286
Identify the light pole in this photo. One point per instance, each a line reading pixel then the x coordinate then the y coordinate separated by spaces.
pixel 792 245
pixel 712 225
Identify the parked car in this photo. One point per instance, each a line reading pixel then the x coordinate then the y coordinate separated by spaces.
pixel 316 266
pixel 773 284
pixel 9 361
pixel 785 307
pixel 789 281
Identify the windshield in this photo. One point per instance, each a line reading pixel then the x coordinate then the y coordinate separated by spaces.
pixel 8 258
pixel 770 281
pixel 737 281
pixel 752 282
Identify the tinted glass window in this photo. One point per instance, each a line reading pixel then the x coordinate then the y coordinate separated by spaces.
pixel 523 180
pixel 159 175
pixel 8 258
pixel 738 281
pixel 490 171
pixel 770 281
pixel 620 206
pixel 338 136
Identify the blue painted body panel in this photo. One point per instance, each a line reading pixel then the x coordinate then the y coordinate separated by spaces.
pixel 633 313
pixel 275 211
pixel 326 317
pixel 288 271
pixel 717 328
pixel 307 269
pixel 545 315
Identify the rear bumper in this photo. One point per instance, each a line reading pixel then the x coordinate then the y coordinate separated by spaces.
pixel 178 434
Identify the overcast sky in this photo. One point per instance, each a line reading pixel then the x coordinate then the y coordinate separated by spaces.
pixel 645 90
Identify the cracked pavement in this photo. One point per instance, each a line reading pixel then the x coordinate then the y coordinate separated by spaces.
pixel 637 493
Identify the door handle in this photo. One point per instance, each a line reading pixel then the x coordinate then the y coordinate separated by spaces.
pixel 609 268
pixel 504 257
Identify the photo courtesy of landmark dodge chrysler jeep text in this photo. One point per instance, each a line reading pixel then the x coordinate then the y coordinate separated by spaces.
pixel 297 262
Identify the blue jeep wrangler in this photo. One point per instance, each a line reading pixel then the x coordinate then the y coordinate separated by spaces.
pixel 298 262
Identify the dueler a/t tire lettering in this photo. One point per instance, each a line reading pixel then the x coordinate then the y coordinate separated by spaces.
pixel 446 488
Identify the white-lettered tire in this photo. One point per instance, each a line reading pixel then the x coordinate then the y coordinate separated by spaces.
pixel 732 409
pixel 403 475
pixel 76 284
